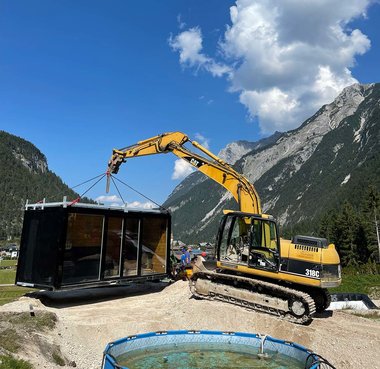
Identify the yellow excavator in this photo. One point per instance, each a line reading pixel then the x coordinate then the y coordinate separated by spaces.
pixel 254 267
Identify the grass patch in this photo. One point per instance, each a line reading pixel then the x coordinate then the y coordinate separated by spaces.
pixel 10 340
pixel 369 316
pixel 58 359
pixel 12 262
pixel 42 321
pixel 361 283
pixel 7 276
pixel 11 293
pixel 9 362
pixel 18 328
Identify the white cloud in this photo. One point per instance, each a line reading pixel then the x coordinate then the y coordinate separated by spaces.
pixel 181 24
pixel 208 102
pixel 181 169
pixel 141 205
pixel 285 58
pixel 262 104
pixel 113 200
pixel 189 45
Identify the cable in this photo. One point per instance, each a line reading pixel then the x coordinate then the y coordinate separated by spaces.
pixel 117 189
pixel 93 184
pixel 101 176
pixel 130 187
pixel 53 196
pixel 89 180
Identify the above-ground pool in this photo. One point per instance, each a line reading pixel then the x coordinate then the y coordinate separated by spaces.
pixel 208 349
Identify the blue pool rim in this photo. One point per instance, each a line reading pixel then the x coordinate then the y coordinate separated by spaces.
pixel 311 360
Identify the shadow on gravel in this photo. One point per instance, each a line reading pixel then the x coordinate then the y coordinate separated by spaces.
pixel 325 314
pixel 63 299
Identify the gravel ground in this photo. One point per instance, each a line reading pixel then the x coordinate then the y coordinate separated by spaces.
pixel 88 320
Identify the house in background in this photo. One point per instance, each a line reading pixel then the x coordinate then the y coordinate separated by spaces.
pixel 177 245
pixel 10 251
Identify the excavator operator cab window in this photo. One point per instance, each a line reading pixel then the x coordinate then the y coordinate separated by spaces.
pixel 235 241
pixel 264 252
pixel 249 241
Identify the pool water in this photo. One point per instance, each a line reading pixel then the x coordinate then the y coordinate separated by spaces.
pixel 201 356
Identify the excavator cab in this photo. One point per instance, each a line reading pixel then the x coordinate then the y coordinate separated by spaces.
pixel 248 240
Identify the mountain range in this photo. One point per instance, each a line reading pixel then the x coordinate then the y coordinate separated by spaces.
pixel 300 175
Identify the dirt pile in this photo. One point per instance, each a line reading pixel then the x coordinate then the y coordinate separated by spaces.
pixel 88 320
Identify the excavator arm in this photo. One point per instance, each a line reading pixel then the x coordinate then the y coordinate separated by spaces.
pixel 210 165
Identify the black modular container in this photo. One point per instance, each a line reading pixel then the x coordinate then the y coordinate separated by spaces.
pixel 71 246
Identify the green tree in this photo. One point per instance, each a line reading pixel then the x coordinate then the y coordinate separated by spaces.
pixel 370 221
pixel 326 225
pixel 344 231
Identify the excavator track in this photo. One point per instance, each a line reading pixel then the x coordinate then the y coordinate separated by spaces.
pixel 284 302
pixel 321 297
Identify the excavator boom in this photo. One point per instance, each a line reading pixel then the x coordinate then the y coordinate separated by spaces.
pixel 212 166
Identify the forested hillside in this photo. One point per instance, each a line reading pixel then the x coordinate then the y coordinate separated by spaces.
pixel 316 179
pixel 24 175
pixel 353 228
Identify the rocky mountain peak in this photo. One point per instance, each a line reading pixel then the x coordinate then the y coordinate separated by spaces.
pixel 235 150
pixel 299 173
pixel 34 163
pixel 24 152
pixel 301 143
pixel 345 104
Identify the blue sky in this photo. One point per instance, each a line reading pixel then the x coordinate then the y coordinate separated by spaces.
pixel 79 78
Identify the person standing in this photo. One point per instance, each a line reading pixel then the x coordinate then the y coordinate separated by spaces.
pixel 184 258
pixel 188 256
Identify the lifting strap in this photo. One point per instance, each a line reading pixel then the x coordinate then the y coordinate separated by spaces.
pixel 98 178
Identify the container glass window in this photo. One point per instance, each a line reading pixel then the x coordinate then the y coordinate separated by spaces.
pixel 82 248
pixel 154 241
pixel 131 244
pixel 113 247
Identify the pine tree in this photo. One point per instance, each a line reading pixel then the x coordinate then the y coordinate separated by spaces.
pixel 345 230
pixel 326 225
pixel 371 222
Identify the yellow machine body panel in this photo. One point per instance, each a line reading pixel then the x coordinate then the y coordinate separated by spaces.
pixel 269 274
